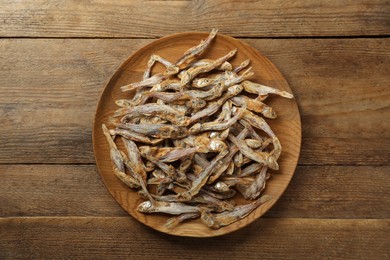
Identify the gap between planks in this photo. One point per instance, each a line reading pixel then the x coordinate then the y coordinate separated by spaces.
pixel 130 217
pixel 94 164
pixel 237 37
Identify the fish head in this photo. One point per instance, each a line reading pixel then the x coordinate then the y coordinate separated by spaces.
pixel 181 132
pixel 171 70
pixel 196 103
pixel 195 128
pixel 235 90
pixel 144 150
pixel 269 112
pixel 221 187
pixel 217 146
pixel 226 66
pixel 234 110
pixel 208 219
pixel 182 120
pixel 186 195
pixel 201 83
pixel 186 77
pixel 145 206
pixel 272 163
pixel 181 74
pixel 165 131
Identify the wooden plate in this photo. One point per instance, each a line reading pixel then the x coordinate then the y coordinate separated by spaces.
pixel 287 126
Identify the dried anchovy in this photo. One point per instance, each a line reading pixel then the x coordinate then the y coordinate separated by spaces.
pixel 191 140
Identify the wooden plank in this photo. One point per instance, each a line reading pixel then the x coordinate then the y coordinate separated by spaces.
pixel 157 18
pixel 55 190
pixel 55 107
pixel 75 190
pixel 341 86
pixel 122 237
pixel 336 192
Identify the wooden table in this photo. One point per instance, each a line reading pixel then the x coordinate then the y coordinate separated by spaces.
pixel 55 58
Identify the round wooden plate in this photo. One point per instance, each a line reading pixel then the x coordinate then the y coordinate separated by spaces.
pixel 287 126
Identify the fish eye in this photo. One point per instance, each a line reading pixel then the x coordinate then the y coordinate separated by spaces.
pixel 147 204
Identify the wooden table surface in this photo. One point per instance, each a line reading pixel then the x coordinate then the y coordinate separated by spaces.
pixel 55 58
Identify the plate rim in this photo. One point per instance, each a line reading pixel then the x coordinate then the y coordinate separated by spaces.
pixel 120 69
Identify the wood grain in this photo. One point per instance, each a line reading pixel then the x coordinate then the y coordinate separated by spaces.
pixel 237 18
pixel 287 127
pixel 77 190
pixel 265 238
pixel 49 90
pixel 55 190
pixel 55 107
pixel 314 192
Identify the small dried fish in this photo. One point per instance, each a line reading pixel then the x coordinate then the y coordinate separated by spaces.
pixel 151 109
pixel 117 159
pixel 173 208
pixel 219 220
pixel 140 178
pixel 203 62
pixel 167 154
pixel 135 136
pixel 137 166
pixel 195 51
pixel 262 90
pixel 242 66
pixel 155 79
pixel 168 84
pixel 127 180
pixel 156 130
pixel 115 155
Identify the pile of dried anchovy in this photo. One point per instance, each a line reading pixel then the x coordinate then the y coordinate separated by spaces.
pixel 192 139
